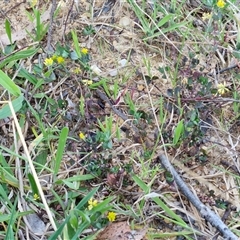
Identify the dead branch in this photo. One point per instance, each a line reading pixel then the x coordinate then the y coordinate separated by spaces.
pixel 65 24
pixel 49 38
pixel 205 212
pixel 115 110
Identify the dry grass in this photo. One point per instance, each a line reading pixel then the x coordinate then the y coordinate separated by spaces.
pixel 155 81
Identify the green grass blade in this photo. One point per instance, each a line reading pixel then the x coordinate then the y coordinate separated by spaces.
pixel 164 20
pixel 86 198
pixel 9 233
pixel 141 184
pixel 4 195
pixel 56 234
pixel 178 132
pixel 17 104
pixel 80 229
pixel 72 182
pixel 60 149
pixel 8 30
pixel 5 165
pixel 33 184
pixel 6 177
pixel 30 77
pixel 19 55
pixel 8 84
pixel 103 206
pixel 38 25
pixel 167 210
pixel 76 44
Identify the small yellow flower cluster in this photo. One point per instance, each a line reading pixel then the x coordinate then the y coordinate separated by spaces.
pixel 221 3
pixel 87 82
pixel 206 16
pixel 84 51
pixel 33 3
pixel 77 70
pixel 92 203
pixel 82 136
pixel 36 197
pixel 111 216
pixel 58 59
pixel 222 88
pixel 48 62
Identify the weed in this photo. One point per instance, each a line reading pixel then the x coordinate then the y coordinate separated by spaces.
pixel 41 29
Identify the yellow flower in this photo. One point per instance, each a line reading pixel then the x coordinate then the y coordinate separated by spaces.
pixel 33 3
pixel 92 203
pixel 60 60
pixel 82 136
pixel 84 51
pixel 48 62
pixel 221 3
pixel 222 88
pixel 35 197
pixel 87 82
pixel 111 216
pixel 77 70
pixel 206 16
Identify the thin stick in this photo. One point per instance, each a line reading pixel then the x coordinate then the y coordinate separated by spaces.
pixel 49 39
pixel 65 24
pixel 205 212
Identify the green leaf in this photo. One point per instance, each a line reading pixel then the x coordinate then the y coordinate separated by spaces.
pixel 9 85
pixel 38 25
pixel 33 184
pixel 76 44
pixel 5 165
pixel 80 177
pixel 167 210
pixel 178 132
pixel 141 184
pixel 164 20
pixel 19 55
pixel 73 182
pixel 17 104
pixel 103 206
pixel 86 198
pixel 30 77
pixel 8 30
pixel 73 221
pixel 9 232
pixel 55 235
pixel 60 149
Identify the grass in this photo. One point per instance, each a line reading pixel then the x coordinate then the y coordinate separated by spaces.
pixel 71 161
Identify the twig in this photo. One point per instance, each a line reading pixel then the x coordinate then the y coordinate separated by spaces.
pixel 14 7
pixel 225 69
pixel 118 112
pixel 227 164
pixel 224 218
pixel 205 212
pixel 49 39
pixel 65 24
